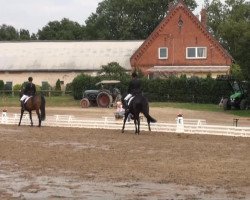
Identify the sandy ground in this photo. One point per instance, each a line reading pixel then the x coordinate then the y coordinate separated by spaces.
pixel 72 163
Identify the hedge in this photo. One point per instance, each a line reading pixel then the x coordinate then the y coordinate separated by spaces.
pixel 173 89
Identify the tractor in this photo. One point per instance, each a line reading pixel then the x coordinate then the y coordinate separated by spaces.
pixel 107 96
pixel 238 98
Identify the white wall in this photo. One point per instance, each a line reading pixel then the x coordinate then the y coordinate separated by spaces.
pixel 39 77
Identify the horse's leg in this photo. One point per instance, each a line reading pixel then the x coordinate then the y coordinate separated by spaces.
pixel 124 120
pixel 39 117
pixel 21 116
pixel 31 122
pixel 138 123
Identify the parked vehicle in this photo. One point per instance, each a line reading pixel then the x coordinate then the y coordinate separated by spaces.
pixel 106 96
pixel 238 98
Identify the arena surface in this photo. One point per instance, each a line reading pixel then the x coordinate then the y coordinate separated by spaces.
pixel 73 163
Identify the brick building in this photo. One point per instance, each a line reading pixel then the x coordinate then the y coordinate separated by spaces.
pixel 181 44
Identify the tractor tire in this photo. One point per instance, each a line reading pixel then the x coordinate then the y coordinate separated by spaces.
pixel 85 103
pixel 104 100
pixel 226 104
pixel 243 104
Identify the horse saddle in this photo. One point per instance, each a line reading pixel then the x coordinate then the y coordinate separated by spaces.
pixel 25 100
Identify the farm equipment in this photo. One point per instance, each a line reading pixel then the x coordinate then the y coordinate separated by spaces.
pixel 106 96
pixel 238 97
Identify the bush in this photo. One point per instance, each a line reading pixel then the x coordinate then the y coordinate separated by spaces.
pixel 57 91
pixel 17 89
pixel 83 82
pixel 174 89
pixel 46 89
pixel 1 85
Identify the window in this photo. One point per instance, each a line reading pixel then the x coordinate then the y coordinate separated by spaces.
pixel 196 52
pixel 163 53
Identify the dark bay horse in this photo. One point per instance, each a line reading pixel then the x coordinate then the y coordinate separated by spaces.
pixel 139 104
pixel 36 103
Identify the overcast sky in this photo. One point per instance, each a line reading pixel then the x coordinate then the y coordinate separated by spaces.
pixel 35 14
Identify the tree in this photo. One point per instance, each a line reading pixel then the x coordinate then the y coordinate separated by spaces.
pixel 121 20
pixel 230 24
pixel 24 34
pixel 33 36
pixel 112 70
pixel 8 33
pixel 63 30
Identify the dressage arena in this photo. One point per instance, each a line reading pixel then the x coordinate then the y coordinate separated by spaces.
pixel 96 163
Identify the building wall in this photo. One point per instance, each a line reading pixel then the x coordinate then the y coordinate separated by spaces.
pixel 39 77
pixel 176 39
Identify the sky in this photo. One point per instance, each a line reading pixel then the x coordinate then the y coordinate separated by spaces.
pixel 35 14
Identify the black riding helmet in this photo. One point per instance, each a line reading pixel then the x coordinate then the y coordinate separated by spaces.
pixel 30 79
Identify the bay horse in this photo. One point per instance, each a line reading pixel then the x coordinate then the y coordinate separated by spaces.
pixel 139 104
pixel 37 103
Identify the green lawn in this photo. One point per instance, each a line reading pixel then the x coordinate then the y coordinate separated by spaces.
pixel 68 101
pixel 201 107
pixel 59 101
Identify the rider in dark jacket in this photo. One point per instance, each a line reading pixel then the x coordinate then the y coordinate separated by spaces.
pixel 134 88
pixel 29 90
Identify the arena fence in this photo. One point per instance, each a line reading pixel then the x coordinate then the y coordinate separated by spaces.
pixel 188 126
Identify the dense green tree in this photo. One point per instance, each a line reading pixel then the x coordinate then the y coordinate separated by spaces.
pixel 8 33
pixel 24 34
pixel 230 24
pixel 120 20
pixel 63 30
pixel 33 36
pixel 112 70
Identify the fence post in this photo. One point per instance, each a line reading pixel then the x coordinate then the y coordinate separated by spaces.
pixel 180 124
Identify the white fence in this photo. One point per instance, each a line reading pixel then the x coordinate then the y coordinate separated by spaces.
pixel 189 126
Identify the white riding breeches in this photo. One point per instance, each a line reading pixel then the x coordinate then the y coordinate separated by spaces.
pixel 24 97
pixel 130 100
pixel 128 97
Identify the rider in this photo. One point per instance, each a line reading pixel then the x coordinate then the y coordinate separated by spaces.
pixel 29 90
pixel 134 88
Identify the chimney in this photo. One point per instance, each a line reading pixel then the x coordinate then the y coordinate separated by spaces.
pixel 204 17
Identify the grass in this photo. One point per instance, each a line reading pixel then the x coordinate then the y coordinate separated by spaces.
pixel 68 101
pixel 56 101
pixel 201 107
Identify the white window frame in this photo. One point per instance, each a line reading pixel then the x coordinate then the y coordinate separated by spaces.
pixel 159 53
pixel 196 53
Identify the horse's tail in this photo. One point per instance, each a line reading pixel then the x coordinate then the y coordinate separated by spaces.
pixel 42 108
pixel 149 118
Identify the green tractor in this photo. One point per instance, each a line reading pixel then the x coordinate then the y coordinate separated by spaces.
pixel 238 98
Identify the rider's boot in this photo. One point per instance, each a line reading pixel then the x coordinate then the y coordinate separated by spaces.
pixel 126 105
pixel 22 105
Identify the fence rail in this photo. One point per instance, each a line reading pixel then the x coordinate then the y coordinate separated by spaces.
pixel 112 123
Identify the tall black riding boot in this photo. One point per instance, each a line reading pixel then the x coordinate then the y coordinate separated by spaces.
pixel 126 105
pixel 22 105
